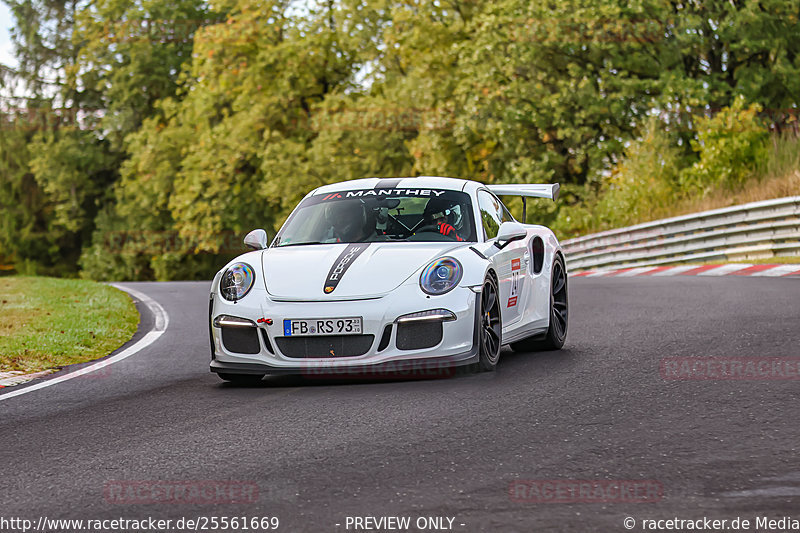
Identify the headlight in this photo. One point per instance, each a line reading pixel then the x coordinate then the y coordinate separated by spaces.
pixel 237 281
pixel 440 276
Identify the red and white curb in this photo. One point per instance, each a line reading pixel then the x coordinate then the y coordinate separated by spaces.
pixel 15 377
pixel 733 269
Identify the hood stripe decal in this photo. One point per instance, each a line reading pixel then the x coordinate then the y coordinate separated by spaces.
pixel 388 183
pixel 342 263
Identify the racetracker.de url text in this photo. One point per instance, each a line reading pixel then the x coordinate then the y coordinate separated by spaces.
pixel 44 524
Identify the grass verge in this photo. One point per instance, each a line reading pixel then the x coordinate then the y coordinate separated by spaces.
pixel 753 191
pixel 49 323
pixel 785 260
pixel 645 187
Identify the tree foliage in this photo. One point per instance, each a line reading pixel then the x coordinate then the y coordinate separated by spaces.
pixel 730 145
pixel 173 125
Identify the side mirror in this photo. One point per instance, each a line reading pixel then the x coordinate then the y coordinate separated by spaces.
pixel 256 239
pixel 508 233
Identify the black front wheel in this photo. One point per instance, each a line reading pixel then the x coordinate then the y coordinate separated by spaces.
pixel 491 326
pixel 559 315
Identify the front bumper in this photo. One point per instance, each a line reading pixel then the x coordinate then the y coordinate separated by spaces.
pixel 428 367
pixel 458 345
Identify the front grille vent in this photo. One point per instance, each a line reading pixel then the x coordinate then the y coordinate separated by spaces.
pixel 419 335
pixel 325 346
pixel 241 340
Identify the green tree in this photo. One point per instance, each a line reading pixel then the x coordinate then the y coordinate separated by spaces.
pixel 23 226
pixel 196 120
pixel 730 144
pixel 131 55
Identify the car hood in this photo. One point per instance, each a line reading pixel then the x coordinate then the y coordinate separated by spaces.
pixel 302 273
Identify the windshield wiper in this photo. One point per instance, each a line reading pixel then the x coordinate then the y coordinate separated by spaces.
pixel 301 243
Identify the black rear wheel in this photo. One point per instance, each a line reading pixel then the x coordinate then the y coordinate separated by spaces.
pixel 559 314
pixel 491 326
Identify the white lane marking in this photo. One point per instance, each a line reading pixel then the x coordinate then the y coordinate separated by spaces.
pixel 771 492
pixel 778 271
pixel 161 323
pixel 723 270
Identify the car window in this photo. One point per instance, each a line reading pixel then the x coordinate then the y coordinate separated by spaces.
pixel 506 214
pixel 380 215
pixel 493 213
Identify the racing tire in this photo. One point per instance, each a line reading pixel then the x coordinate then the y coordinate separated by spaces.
pixel 491 327
pixel 559 315
pixel 242 379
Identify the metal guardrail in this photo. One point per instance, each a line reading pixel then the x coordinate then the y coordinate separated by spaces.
pixel 751 231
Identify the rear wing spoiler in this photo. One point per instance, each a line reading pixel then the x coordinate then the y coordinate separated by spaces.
pixel 538 190
pixel 525 190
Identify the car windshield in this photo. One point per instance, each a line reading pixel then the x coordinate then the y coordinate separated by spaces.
pixel 380 215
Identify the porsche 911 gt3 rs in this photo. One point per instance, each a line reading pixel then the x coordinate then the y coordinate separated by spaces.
pixel 385 274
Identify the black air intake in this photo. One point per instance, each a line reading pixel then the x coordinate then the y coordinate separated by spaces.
pixel 325 346
pixel 418 335
pixel 241 340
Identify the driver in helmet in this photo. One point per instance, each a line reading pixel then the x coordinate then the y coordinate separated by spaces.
pixel 439 212
pixel 350 221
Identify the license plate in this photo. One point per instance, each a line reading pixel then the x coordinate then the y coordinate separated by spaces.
pixel 293 327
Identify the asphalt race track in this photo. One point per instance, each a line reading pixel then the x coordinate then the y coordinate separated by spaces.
pixel 320 450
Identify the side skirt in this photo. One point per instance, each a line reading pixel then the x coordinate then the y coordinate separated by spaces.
pixel 530 330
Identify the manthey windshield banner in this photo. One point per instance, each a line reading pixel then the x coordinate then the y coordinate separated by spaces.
pixel 375 193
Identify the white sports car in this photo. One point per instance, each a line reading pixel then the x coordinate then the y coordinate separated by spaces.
pixel 390 275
